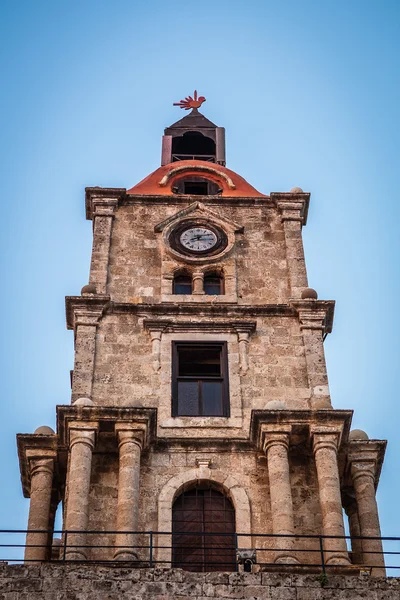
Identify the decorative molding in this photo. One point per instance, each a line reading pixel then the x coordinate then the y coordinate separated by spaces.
pixel 210 327
pixel 204 211
pixel 85 310
pixel 315 314
pixel 102 200
pixel 293 206
pixel 202 169
pixel 33 447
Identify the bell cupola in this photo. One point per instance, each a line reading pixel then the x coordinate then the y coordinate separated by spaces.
pixel 194 137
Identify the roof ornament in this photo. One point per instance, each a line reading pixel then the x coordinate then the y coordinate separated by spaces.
pixel 190 102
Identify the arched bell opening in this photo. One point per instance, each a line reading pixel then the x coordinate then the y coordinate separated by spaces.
pixel 193 145
pixel 203 530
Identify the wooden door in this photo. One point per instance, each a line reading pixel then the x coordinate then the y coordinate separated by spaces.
pixel 203 527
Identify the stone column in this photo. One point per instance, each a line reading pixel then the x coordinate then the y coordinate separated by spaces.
pixel 81 444
pixel 86 319
pixel 325 447
pixel 198 282
pixel 293 208
pixel 130 443
pixel 104 210
pixel 41 469
pixel 312 325
pixel 363 476
pixel 276 447
pixel 355 532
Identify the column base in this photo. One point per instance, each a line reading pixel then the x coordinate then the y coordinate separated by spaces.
pixel 338 559
pixel 75 555
pixel 286 560
pixel 126 555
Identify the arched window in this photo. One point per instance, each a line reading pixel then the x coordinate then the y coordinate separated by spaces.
pixel 201 518
pixel 182 283
pixel 213 284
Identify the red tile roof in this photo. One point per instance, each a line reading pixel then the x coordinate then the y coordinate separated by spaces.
pixel 159 182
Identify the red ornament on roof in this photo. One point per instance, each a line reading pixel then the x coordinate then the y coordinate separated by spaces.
pixel 190 102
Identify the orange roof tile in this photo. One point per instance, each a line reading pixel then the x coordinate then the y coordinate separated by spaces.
pixel 159 183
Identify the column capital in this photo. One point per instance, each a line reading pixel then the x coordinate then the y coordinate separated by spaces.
pixel 102 201
pixel 81 432
pixel 104 207
pixel 293 206
pixel 41 465
pixel 85 310
pixel 315 314
pixel 135 433
pixel 325 437
pixel 275 435
pixel 365 458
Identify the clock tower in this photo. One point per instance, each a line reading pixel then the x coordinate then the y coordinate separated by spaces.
pixel 201 429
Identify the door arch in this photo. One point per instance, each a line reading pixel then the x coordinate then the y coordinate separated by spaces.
pixel 203 530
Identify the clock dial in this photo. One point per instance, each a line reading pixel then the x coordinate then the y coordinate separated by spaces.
pixel 198 239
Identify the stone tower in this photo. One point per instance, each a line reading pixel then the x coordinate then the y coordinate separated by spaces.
pixel 200 408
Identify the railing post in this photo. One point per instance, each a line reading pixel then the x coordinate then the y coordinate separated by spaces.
pixel 236 551
pixel 321 547
pixel 65 546
pixel 151 549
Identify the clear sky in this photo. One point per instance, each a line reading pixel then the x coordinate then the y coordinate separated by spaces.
pixel 309 95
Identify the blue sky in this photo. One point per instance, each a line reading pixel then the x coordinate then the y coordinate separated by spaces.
pixel 309 95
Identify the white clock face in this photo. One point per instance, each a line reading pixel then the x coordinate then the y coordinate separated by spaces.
pixel 198 239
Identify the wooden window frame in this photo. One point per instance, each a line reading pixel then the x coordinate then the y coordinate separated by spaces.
pixel 223 346
pixel 214 275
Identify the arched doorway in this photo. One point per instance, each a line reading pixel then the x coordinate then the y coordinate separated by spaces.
pixel 203 530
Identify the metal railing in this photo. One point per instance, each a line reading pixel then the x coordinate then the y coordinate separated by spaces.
pixel 206 157
pixel 182 549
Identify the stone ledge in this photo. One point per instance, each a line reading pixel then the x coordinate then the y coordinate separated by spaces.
pixel 90 582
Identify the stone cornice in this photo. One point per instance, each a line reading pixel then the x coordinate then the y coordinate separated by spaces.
pixel 183 200
pixel 100 415
pixel 96 196
pixel 315 314
pixel 215 326
pixel 292 205
pixel 85 310
pixel 203 310
pixel 302 421
pixel 33 446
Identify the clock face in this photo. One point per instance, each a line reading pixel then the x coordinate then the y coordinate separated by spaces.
pixel 198 239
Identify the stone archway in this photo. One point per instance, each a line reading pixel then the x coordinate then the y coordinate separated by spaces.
pixel 229 484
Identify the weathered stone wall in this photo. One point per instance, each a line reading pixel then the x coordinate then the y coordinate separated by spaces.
pixel 124 373
pixel 68 582
pixel 239 469
pixel 136 253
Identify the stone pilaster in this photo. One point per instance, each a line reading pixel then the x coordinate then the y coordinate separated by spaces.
pixel 363 459
pixel 313 316
pixel 130 443
pixel 325 446
pixel 41 473
pixel 276 447
pixel 293 208
pixel 83 315
pixel 103 215
pixel 81 443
